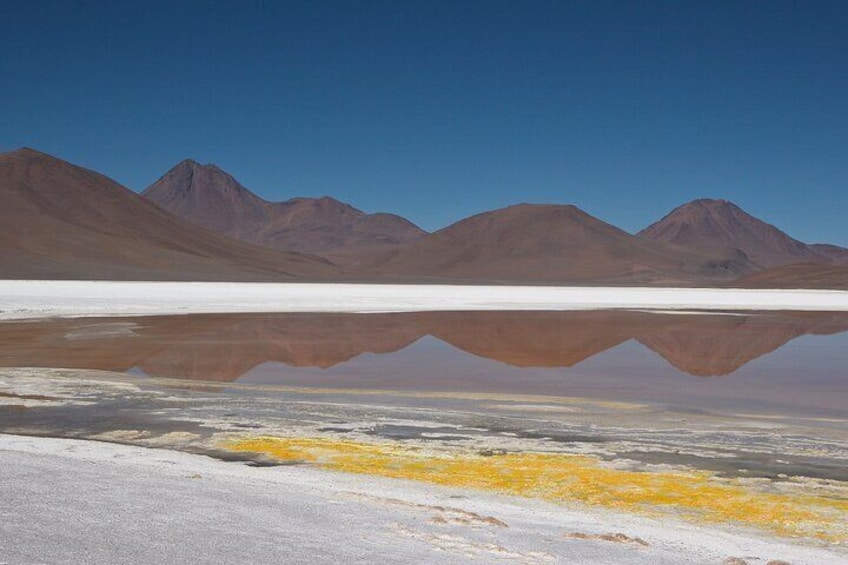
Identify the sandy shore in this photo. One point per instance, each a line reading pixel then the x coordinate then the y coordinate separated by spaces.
pixel 33 299
pixel 72 501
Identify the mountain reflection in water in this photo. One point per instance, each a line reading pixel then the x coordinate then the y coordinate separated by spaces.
pixel 590 353
pixel 224 347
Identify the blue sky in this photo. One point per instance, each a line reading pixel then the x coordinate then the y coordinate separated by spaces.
pixel 438 110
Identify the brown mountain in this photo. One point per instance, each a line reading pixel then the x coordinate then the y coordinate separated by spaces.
pixel 798 275
pixel 209 197
pixel 63 221
pixel 715 224
pixel 552 243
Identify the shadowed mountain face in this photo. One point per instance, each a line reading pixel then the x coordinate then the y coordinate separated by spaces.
pixel 716 224
pixel 225 347
pixel 556 244
pixel 798 275
pixel 63 221
pixel 209 197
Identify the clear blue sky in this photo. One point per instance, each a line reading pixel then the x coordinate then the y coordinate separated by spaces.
pixel 438 110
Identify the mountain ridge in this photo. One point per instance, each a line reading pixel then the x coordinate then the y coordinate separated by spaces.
pixel 64 221
pixel 208 196
pixel 546 242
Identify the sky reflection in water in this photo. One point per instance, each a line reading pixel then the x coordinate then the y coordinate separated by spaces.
pixel 782 363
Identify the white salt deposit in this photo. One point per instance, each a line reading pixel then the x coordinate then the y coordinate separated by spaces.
pixel 32 299
pixel 72 501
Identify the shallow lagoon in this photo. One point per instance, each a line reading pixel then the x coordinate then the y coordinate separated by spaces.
pixel 785 364
pixel 750 401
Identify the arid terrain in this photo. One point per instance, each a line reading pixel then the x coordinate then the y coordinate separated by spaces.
pixel 198 223
pixel 464 282
pixel 65 222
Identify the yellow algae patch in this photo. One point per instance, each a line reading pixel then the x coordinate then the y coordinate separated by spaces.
pixel 574 478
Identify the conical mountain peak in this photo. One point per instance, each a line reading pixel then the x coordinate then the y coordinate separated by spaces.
pixel 712 202
pixel 197 165
pixel 25 152
pixel 186 164
pixel 210 197
pixel 713 224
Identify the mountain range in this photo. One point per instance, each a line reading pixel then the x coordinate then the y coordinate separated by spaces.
pixel 551 243
pixel 198 223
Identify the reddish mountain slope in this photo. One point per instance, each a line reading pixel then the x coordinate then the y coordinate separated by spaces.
pixel 549 243
pixel 715 224
pixel 209 197
pixel 63 221
pixel 798 275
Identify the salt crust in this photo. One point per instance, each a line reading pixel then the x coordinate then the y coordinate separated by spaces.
pixel 34 299
pixel 405 518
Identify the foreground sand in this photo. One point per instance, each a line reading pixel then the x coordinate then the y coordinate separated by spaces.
pixel 72 501
pixel 33 299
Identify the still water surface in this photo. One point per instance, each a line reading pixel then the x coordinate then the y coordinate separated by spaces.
pixel 791 364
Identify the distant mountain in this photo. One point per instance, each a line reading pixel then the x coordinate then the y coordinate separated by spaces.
pixel 716 224
pixel 552 243
pixel 209 197
pixel 63 221
pixel 798 275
